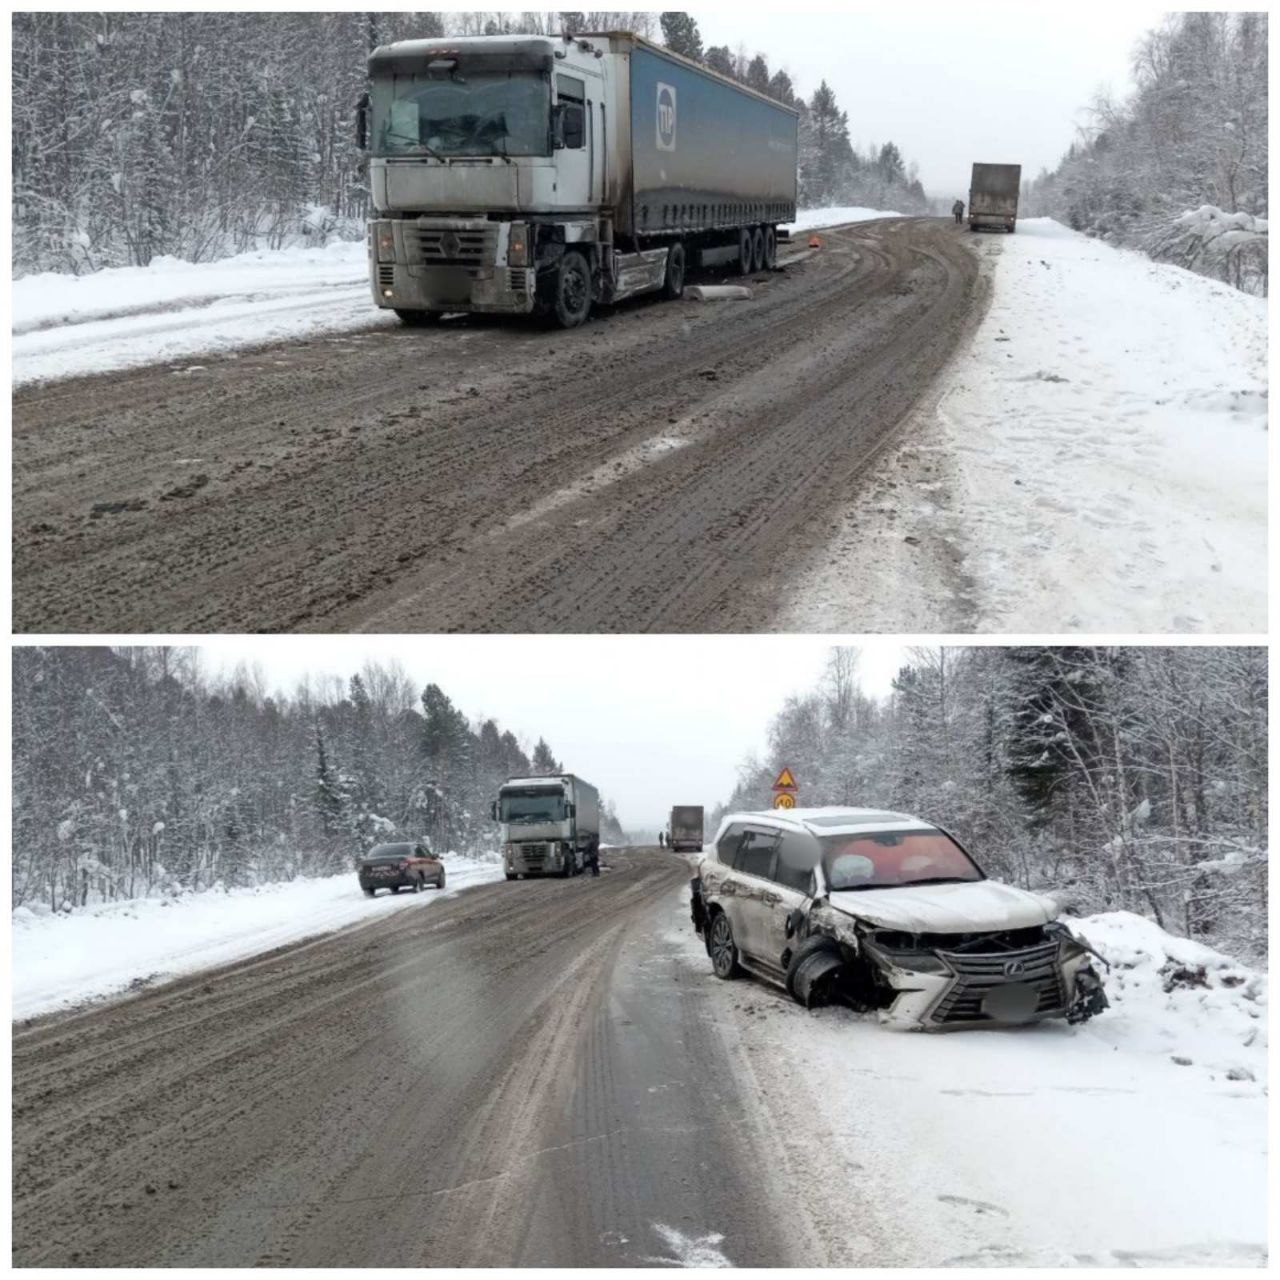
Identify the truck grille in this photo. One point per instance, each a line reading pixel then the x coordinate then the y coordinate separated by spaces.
pixel 468 247
pixel 979 973
pixel 533 853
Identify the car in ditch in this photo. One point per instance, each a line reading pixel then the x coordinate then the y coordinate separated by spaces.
pixel 403 865
pixel 885 912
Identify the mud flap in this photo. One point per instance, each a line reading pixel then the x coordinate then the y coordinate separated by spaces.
pixel 697 908
pixel 813 976
pixel 1090 998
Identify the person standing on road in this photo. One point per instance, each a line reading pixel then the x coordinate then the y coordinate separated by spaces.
pixel 593 859
pixel 662 839
pixel 958 210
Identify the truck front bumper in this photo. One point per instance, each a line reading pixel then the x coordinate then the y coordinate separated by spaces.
pixel 442 264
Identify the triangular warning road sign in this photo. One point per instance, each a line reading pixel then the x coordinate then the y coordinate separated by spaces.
pixel 785 781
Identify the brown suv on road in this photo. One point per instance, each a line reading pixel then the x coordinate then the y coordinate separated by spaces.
pixel 399 866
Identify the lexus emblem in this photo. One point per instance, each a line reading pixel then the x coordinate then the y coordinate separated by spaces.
pixel 1014 968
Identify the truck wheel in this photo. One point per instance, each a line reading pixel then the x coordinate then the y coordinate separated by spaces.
pixel 511 875
pixel 746 252
pixel 417 319
pixel 395 888
pixel 721 947
pixel 368 893
pixel 673 285
pixel 757 249
pixel 770 260
pixel 572 302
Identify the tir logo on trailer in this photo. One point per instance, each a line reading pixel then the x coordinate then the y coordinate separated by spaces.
pixel 666 117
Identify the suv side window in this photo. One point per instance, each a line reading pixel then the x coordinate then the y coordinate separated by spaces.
pixel 755 855
pixel 797 857
pixel 727 845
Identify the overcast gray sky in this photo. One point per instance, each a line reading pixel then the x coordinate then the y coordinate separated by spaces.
pixel 950 84
pixel 652 721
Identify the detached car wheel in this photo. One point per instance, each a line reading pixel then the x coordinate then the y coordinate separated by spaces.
pixel 722 948
pixel 815 969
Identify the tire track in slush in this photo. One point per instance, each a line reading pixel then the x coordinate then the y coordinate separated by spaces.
pixel 363 483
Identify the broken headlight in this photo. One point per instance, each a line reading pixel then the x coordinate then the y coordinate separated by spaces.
pixel 914 961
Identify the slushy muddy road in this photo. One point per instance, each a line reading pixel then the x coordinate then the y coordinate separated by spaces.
pixel 520 1075
pixel 635 474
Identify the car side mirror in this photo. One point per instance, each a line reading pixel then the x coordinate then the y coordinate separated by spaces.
pixel 362 123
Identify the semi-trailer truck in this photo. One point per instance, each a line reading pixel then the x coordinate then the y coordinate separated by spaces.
pixel 993 196
pixel 550 825
pixel 684 832
pixel 532 173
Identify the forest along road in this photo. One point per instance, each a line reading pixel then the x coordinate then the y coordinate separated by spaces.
pixel 521 1075
pixel 630 475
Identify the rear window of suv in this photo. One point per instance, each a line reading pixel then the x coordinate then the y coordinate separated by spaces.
pixel 894 859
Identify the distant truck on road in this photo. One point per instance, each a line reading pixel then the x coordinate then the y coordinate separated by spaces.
pixel 685 828
pixel 993 196
pixel 550 825
pixel 533 173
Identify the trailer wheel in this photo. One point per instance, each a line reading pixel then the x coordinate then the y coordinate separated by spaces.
pixel 572 302
pixel 757 249
pixel 770 248
pixel 746 262
pixel 417 319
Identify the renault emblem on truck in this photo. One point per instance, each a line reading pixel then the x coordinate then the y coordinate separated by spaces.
pixel 666 117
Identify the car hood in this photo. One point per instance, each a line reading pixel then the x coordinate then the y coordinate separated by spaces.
pixel 947 908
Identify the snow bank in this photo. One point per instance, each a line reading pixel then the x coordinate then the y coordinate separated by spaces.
pixel 1109 419
pixel 835 216
pixel 63 960
pixel 65 325
pixel 1136 1138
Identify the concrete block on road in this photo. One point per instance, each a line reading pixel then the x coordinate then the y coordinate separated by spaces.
pixel 717 292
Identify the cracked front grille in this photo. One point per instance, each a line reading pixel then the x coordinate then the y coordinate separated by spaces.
pixel 468 247
pixel 978 974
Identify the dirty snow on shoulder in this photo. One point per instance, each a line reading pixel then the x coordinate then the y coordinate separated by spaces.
pixel 1136 1139
pixel 1109 425
pixel 65 959
pixel 68 326
pixel 65 326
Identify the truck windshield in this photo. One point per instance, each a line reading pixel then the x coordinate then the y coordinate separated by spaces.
pixel 481 113
pixel 893 859
pixel 532 806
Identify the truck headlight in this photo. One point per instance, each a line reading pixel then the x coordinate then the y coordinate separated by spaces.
pixel 518 245
pixel 384 241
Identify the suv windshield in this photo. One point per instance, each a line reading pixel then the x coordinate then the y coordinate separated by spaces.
pixel 481 113
pixel 892 859
pixel 531 806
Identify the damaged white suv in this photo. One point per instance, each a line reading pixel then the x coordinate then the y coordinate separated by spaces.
pixel 885 912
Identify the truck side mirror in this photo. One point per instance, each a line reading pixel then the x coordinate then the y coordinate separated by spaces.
pixel 493 810
pixel 362 123
pixel 571 809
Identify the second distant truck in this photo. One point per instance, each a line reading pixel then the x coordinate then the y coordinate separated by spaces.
pixel 993 197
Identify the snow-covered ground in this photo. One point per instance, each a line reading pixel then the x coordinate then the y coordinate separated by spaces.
pixel 836 216
pixel 1138 1138
pixel 65 326
pixel 66 959
pixel 1095 460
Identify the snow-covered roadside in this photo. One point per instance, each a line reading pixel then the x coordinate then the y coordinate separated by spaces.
pixel 836 216
pixel 1138 1138
pixel 64 960
pixel 65 326
pixel 1094 460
